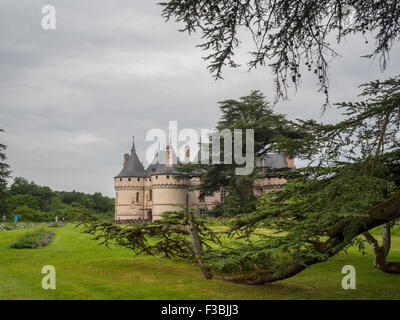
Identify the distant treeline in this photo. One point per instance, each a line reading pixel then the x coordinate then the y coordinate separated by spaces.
pixel 32 202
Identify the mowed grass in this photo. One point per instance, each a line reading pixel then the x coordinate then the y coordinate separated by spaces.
pixel 86 270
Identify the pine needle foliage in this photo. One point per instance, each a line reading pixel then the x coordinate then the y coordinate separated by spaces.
pixel 324 207
pixel 167 238
pixel 4 176
pixel 290 36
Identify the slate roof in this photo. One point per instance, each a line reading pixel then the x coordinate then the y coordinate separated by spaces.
pixel 134 168
pixel 158 166
pixel 270 160
pixel 273 160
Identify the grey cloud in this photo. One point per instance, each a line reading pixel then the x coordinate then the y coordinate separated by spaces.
pixel 72 98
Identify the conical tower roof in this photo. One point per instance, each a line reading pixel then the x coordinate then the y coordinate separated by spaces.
pixel 133 167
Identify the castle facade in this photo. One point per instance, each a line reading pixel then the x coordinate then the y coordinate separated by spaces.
pixel 144 194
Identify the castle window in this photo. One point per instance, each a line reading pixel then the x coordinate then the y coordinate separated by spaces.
pixel 202 210
pixel 187 198
pixel 167 177
pixel 156 177
pixel 137 196
pixel 120 179
pixel 129 179
pixel 151 194
pixel 223 195
pixel 202 198
pixel 138 179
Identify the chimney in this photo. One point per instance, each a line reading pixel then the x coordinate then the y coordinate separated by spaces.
pixel 187 154
pixel 133 149
pixel 168 160
pixel 290 161
pixel 126 157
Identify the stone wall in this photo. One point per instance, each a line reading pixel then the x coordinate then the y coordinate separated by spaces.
pixel 160 193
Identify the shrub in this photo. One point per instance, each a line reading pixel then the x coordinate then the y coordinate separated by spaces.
pixel 11 226
pixel 33 239
pixel 28 214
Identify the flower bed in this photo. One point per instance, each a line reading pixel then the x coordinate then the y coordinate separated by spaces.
pixel 12 226
pixel 33 239
pixel 56 224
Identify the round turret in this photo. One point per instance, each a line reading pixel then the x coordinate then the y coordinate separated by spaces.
pixel 129 187
pixel 167 192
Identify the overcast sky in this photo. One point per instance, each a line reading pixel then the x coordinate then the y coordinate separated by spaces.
pixel 72 98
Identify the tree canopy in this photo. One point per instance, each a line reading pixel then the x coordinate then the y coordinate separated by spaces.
pixel 270 129
pixel 288 35
pixel 323 208
pixel 4 176
pixel 33 202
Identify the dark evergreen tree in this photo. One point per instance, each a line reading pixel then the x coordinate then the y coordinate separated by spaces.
pixel 271 131
pixel 180 234
pixel 353 187
pixel 291 36
pixel 4 176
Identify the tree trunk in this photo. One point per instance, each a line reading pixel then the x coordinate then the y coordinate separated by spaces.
pixel 381 252
pixel 378 215
pixel 386 238
pixel 198 250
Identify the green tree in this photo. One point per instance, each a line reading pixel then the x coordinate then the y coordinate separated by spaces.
pixel 94 202
pixel 20 186
pixel 288 35
pixel 88 202
pixel 22 200
pixel 241 198
pixel 43 194
pixel 70 197
pixel 102 203
pixel 29 214
pixel 354 187
pixel 4 175
pixel 270 130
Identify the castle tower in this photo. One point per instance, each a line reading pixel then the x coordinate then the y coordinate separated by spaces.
pixel 166 190
pixel 129 188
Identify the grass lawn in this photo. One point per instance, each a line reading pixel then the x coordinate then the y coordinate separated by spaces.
pixel 86 270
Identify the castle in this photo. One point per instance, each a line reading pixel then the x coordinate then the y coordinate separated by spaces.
pixel 144 194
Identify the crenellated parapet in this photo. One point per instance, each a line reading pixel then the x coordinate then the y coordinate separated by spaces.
pixel 169 186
